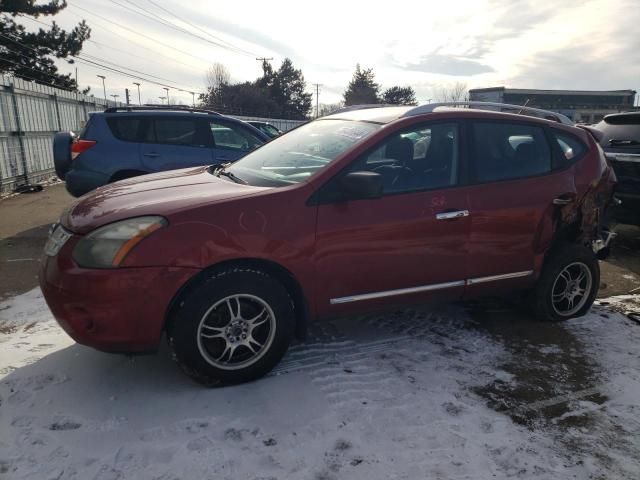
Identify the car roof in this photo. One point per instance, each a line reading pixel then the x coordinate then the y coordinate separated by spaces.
pixel 384 114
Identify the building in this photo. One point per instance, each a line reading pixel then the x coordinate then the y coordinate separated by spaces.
pixel 579 105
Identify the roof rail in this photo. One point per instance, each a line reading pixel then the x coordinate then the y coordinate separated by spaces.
pixel 364 106
pixel 175 108
pixel 520 110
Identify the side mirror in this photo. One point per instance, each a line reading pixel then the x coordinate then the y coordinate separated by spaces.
pixel 361 185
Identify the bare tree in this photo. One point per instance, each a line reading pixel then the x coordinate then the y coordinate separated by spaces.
pixel 457 92
pixel 329 108
pixel 217 76
pixel 175 101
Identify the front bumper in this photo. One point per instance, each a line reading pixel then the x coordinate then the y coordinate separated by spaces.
pixel 114 310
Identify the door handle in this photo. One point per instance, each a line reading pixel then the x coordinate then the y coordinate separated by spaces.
pixel 151 154
pixel 452 215
pixel 563 199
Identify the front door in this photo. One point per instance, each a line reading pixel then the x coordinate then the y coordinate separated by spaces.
pixel 410 243
pixel 231 141
pixel 512 206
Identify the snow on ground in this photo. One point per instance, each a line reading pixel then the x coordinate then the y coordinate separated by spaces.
pixel 436 393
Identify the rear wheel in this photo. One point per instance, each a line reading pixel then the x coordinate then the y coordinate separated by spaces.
pixel 567 285
pixel 233 327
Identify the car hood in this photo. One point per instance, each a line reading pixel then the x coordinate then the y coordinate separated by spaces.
pixel 157 194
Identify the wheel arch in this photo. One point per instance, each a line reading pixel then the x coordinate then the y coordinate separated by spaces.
pixel 275 270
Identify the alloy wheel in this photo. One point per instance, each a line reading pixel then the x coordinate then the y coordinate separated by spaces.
pixel 571 289
pixel 236 331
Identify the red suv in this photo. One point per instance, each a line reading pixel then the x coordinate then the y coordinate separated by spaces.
pixel 363 209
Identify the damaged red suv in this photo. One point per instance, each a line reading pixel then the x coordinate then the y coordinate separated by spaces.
pixel 360 210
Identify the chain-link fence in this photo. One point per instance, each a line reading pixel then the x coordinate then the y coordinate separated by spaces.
pixel 30 115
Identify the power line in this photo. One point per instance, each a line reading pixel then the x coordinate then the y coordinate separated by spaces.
pixel 114 48
pixel 196 27
pixel 106 67
pixel 34 78
pixel 156 18
pixel 140 34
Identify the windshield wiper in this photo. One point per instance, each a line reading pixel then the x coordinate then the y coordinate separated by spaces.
pixel 220 170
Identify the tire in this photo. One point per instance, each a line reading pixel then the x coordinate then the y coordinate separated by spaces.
pixel 233 327
pixel 62 153
pixel 570 262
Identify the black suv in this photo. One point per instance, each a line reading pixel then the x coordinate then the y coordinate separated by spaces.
pixel 620 140
pixel 126 142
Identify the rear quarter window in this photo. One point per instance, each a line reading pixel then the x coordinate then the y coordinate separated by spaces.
pixel 571 148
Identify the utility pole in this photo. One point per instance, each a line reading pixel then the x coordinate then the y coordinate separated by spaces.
pixel 264 60
pixel 166 90
pixel 162 98
pixel 115 97
pixel 104 89
pixel 318 85
pixel 193 98
pixel 138 85
pixel 126 95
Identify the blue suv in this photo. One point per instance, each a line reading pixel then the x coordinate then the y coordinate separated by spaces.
pixel 125 142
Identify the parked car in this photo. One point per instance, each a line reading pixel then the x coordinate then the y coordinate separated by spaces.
pixel 620 140
pixel 267 128
pixel 333 218
pixel 121 143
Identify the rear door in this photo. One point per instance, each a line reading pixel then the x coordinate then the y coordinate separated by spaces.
pixel 172 142
pixel 231 140
pixel 511 201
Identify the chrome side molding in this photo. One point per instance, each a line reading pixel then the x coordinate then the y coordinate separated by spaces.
pixel 391 293
pixel 427 288
pixel 451 215
pixel 493 278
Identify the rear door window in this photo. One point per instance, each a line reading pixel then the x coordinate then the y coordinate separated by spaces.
pixel 174 131
pixel 504 151
pixel 125 128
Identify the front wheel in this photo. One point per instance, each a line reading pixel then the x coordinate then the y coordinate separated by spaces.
pixel 233 327
pixel 567 285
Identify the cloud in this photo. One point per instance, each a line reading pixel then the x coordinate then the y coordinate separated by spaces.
pixel 449 65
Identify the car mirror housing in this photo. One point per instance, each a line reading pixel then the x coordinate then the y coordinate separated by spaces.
pixel 361 185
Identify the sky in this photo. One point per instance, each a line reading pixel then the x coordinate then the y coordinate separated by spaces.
pixel 585 45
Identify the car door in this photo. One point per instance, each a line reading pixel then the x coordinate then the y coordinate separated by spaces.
pixel 407 245
pixel 231 140
pixel 175 141
pixel 513 201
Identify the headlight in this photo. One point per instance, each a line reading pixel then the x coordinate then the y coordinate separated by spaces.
pixel 106 247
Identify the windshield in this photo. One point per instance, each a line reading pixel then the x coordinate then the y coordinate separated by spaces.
pixel 296 156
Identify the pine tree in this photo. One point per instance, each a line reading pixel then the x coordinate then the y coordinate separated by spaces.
pixel 362 88
pixel 399 96
pixel 28 54
pixel 288 91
